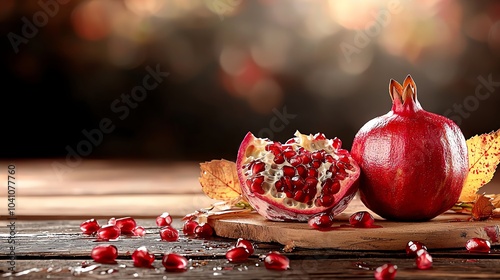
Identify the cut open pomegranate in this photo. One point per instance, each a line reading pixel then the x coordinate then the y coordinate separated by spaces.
pixel 307 175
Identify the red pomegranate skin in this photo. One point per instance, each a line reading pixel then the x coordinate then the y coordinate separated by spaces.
pixel 413 162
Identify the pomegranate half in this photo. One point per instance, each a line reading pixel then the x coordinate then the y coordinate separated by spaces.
pixel 413 162
pixel 306 176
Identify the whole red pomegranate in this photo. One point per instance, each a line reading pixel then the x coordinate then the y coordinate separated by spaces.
pixel 307 175
pixel 413 163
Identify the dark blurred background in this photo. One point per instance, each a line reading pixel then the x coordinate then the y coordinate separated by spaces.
pixel 270 67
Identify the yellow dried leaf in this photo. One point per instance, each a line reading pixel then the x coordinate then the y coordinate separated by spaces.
pixel 484 156
pixel 483 209
pixel 219 179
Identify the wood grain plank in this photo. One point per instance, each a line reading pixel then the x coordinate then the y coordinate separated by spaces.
pixel 310 268
pixel 440 233
pixel 148 205
pixel 104 177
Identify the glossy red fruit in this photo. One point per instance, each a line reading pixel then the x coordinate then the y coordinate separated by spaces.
pixel 139 231
pixel 295 181
pixel 126 224
pixel 189 227
pixel 164 219
pixel 90 226
pixel 478 245
pixel 204 230
pixel 413 162
pixel 361 219
pixel 245 244
pixel 413 247
pixel 168 233
pixel 108 232
pixel 321 221
pixel 237 254
pixel 142 257
pixel 386 272
pixel 276 261
pixel 104 253
pixel 423 259
pixel 174 262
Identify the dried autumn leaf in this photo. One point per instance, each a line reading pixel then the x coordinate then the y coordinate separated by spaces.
pixel 484 156
pixel 483 209
pixel 219 179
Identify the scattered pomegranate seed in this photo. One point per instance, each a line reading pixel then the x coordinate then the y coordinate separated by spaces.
pixel 174 262
pixel 142 257
pixel 108 232
pixel 386 272
pixel 126 225
pixel 104 253
pixel 276 261
pixel 237 254
pixel 478 245
pixel 321 221
pixel 139 231
pixel 413 247
pixel 189 227
pixel 361 219
pixel 245 244
pixel 423 260
pixel 204 230
pixel 168 233
pixel 164 220
pixel 90 226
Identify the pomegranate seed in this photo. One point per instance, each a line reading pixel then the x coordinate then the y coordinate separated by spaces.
pixel 256 186
pixel 237 254
pixel 361 219
pixel 204 230
pixel 311 172
pixel 288 171
pixel 258 167
pixel 90 226
pixel 276 261
pixel 274 147
pixel 478 245
pixel 245 244
pixel 279 159
pixel 164 219
pixel 316 164
pixel 289 154
pixel 174 262
pixel 139 231
pixel 126 224
pixel 298 182
pixel 108 232
pixel 189 227
pixel 424 259
pixel 319 136
pixel 413 247
pixel 325 201
pixel 104 253
pixel 386 272
pixel 112 221
pixel 337 143
pixel 317 155
pixel 169 234
pixel 295 161
pixel 290 141
pixel 321 221
pixel 142 257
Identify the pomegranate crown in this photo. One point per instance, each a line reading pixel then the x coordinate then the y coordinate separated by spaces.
pixel 404 97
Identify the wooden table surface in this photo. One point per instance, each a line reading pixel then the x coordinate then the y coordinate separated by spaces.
pixel 51 205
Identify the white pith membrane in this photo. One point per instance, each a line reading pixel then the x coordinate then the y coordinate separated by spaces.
pixel 273 171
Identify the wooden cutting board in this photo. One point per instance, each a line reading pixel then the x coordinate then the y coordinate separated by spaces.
pixel 446 231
